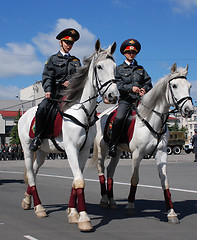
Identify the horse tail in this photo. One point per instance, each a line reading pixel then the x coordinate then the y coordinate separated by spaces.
pixel 94 159
pixel 25 176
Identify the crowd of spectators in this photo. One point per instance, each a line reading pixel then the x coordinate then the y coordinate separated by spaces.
pixel 11 152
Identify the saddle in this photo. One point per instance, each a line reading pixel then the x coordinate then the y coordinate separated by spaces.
pixel 53 124
pixel 128 127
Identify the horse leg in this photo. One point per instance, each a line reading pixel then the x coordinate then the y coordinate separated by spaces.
pixel 110 173
pixel 32 169
pixel 77 192
pixel 130 208
pixel 100 153
pixel 73 215
pixel 161 158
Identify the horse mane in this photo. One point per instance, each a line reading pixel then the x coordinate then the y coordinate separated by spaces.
pixel 78 80
pixel 156 94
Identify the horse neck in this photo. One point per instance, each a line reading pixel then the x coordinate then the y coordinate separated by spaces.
pixel 89 92
pixel 162 107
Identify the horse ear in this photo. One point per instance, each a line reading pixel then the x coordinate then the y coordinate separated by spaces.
pixel 97 46
pixel 113 48
pixel 173 68
pixel 186 69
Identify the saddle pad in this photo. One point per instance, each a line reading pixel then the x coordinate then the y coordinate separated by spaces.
pixel 56 129
pixel 127 133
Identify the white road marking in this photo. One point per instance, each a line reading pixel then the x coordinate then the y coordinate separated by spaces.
pixel 30 237
pixel 94 180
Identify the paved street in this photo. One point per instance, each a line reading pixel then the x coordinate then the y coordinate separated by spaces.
pixel 54 183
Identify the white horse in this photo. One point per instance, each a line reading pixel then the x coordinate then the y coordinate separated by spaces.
pixel 95 78
pixel 150 137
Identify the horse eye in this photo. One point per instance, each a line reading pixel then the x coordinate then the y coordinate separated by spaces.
pixel 174 86
pixel 99 67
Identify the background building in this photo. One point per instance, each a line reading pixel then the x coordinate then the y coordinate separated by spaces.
pixel 29 97
pixel 189 123
pixel 32 96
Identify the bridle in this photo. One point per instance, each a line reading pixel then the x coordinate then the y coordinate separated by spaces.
pixel 175 100
pixel 99 84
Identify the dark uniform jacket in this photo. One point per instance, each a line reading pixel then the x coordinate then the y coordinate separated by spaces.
pixel 194 141
pixel 128 76
pixel 57 70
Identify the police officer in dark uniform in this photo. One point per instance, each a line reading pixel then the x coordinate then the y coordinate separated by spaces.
pixel 194 144
pixel 132 82
pixel 56 76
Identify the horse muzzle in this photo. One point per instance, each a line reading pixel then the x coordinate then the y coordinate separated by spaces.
pixel 187 111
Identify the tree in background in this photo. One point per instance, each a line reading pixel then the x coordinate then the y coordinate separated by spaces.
pixel 14 132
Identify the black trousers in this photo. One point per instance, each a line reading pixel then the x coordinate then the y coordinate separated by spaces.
pixel 41 116
pixel 122 111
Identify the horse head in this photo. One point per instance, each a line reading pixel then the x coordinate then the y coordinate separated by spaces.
pixel 104 70
pixel 179 91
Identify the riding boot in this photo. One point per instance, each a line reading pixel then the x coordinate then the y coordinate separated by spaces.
pixel 36 142
pixel 114 140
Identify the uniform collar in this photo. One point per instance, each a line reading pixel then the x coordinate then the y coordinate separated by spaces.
pixel 126 63
pixel 63 55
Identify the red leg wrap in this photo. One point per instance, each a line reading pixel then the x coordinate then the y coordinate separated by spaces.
pixel 81 200
pixel 35 196
pixel 102 185
pixel 29 190
pixel 132 192
pixel 110 193
pixel 168 201
pixel 73 198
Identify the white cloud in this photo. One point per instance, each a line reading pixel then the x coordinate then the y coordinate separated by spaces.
pixel 18 59
pixel 48 44
pixel 9 92
pixel 181 6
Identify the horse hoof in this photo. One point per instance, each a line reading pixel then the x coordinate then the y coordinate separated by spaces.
pixel 104 204
pixel 73 216
pixel 173 220
pixel 40 211
pixel 130 211
pixel 85 226
pixel 113 206
pixel 26 203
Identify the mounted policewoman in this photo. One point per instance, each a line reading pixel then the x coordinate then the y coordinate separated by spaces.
pixel 56 77
pixel 132 82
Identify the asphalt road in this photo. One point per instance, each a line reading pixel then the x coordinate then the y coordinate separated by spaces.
pixel 54 184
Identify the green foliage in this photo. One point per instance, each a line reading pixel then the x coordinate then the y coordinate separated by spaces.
pixel 14 132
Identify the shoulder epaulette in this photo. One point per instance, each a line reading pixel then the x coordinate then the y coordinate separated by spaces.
pixel 75 58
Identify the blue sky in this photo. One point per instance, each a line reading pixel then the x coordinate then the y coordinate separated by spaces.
pixel 166 30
